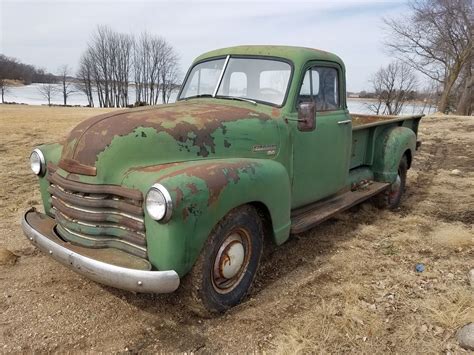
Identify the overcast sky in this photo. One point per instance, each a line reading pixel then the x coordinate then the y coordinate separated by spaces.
pixel 51 33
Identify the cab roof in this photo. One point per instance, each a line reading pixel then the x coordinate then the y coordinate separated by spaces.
pixel 297 55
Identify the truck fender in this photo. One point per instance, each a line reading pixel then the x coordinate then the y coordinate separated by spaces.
pixel 203 192
pixel 390 146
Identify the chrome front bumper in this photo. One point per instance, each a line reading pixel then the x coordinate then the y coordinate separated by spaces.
pixel 42 236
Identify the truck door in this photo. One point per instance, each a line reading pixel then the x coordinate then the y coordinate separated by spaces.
pixel 321 157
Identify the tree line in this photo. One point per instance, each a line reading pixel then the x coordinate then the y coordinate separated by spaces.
pixel 13 69
pixel 110 65
pixel 112 60
pixel 435 40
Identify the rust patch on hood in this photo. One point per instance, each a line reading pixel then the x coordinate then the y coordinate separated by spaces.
pixel 184 121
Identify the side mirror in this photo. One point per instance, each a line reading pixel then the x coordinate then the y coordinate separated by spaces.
pixel 307 116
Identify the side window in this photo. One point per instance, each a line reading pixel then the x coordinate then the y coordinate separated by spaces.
pixel 305 92
pixel 320 84
pixel 315 82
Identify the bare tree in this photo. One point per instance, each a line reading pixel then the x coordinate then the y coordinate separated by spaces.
pixel 3 88
pixel 123 64
pixel 100 54
pixel 155 69
pixel 106 65
pixel 148 61
pixel 112 58
pixel 394 85
pixel 85 80
pixel 429 96
pixel 66 85
pixel 465 102
pixel 169 73
pixel 48 91
pixel 435 39
pixel 6 65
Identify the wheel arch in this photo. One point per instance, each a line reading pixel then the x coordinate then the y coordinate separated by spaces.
pixel 409 156
pixel 266 218
pixel 391 145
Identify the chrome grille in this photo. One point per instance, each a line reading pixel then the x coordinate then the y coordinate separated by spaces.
pixel 98 216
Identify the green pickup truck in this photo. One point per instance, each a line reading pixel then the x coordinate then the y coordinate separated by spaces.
pixel 259 145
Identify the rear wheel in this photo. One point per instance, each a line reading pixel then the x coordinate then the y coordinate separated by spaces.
pixel 391 197
pixel 226 267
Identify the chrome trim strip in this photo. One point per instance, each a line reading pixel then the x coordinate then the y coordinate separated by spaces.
pixel 107 274
pixel 102 211
pixel 132 194
pixel 221 76
pixel 103 240
pixel 97 202
pixel 99 225
pixel 81 194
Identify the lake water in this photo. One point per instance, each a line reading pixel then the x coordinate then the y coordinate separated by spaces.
pixel 30 95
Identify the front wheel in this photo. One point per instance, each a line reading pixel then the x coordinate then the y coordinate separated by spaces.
pixel 391 197
pixel 226 267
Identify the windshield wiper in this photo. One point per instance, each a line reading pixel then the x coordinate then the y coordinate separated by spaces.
pixel 196 96
pixel 236 98
pixel 221 97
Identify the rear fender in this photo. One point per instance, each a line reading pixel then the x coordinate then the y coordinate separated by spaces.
pixel 390 147
pixel 203 192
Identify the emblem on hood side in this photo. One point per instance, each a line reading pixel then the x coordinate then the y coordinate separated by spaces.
pixel 269 148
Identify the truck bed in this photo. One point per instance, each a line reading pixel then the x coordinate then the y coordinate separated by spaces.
pixel 360 121
pixel 366 129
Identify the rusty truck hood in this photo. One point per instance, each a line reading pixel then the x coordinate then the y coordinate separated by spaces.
pixel 169 133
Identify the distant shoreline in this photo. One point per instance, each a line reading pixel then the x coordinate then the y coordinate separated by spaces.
pixel 30 95
pixel 410 102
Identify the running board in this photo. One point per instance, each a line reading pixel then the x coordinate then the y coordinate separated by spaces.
pixel 308 217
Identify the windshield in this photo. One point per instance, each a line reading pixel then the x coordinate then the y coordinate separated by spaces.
pixel 264 80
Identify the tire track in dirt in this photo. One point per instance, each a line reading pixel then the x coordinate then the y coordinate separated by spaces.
pixel 437 155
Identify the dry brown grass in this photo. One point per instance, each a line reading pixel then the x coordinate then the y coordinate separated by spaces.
pixel 453 235
pixel 349 285
pixel 22 127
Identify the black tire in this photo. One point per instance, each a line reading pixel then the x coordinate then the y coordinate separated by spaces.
pixel 391 197
pixel 208 292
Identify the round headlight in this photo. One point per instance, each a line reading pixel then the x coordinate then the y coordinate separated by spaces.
pixel 37 162
pixel 158 203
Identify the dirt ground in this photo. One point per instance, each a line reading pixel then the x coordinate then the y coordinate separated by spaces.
pixel 348 285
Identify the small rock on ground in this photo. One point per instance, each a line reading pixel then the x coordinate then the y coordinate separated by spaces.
pixel 471 277
pixel 456 172
pixel 465 336
pixel 7 257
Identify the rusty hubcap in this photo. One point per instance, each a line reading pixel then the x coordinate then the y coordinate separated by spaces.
pixel 231 261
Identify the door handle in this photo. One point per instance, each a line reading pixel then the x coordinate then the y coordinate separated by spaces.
pixel 344 122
